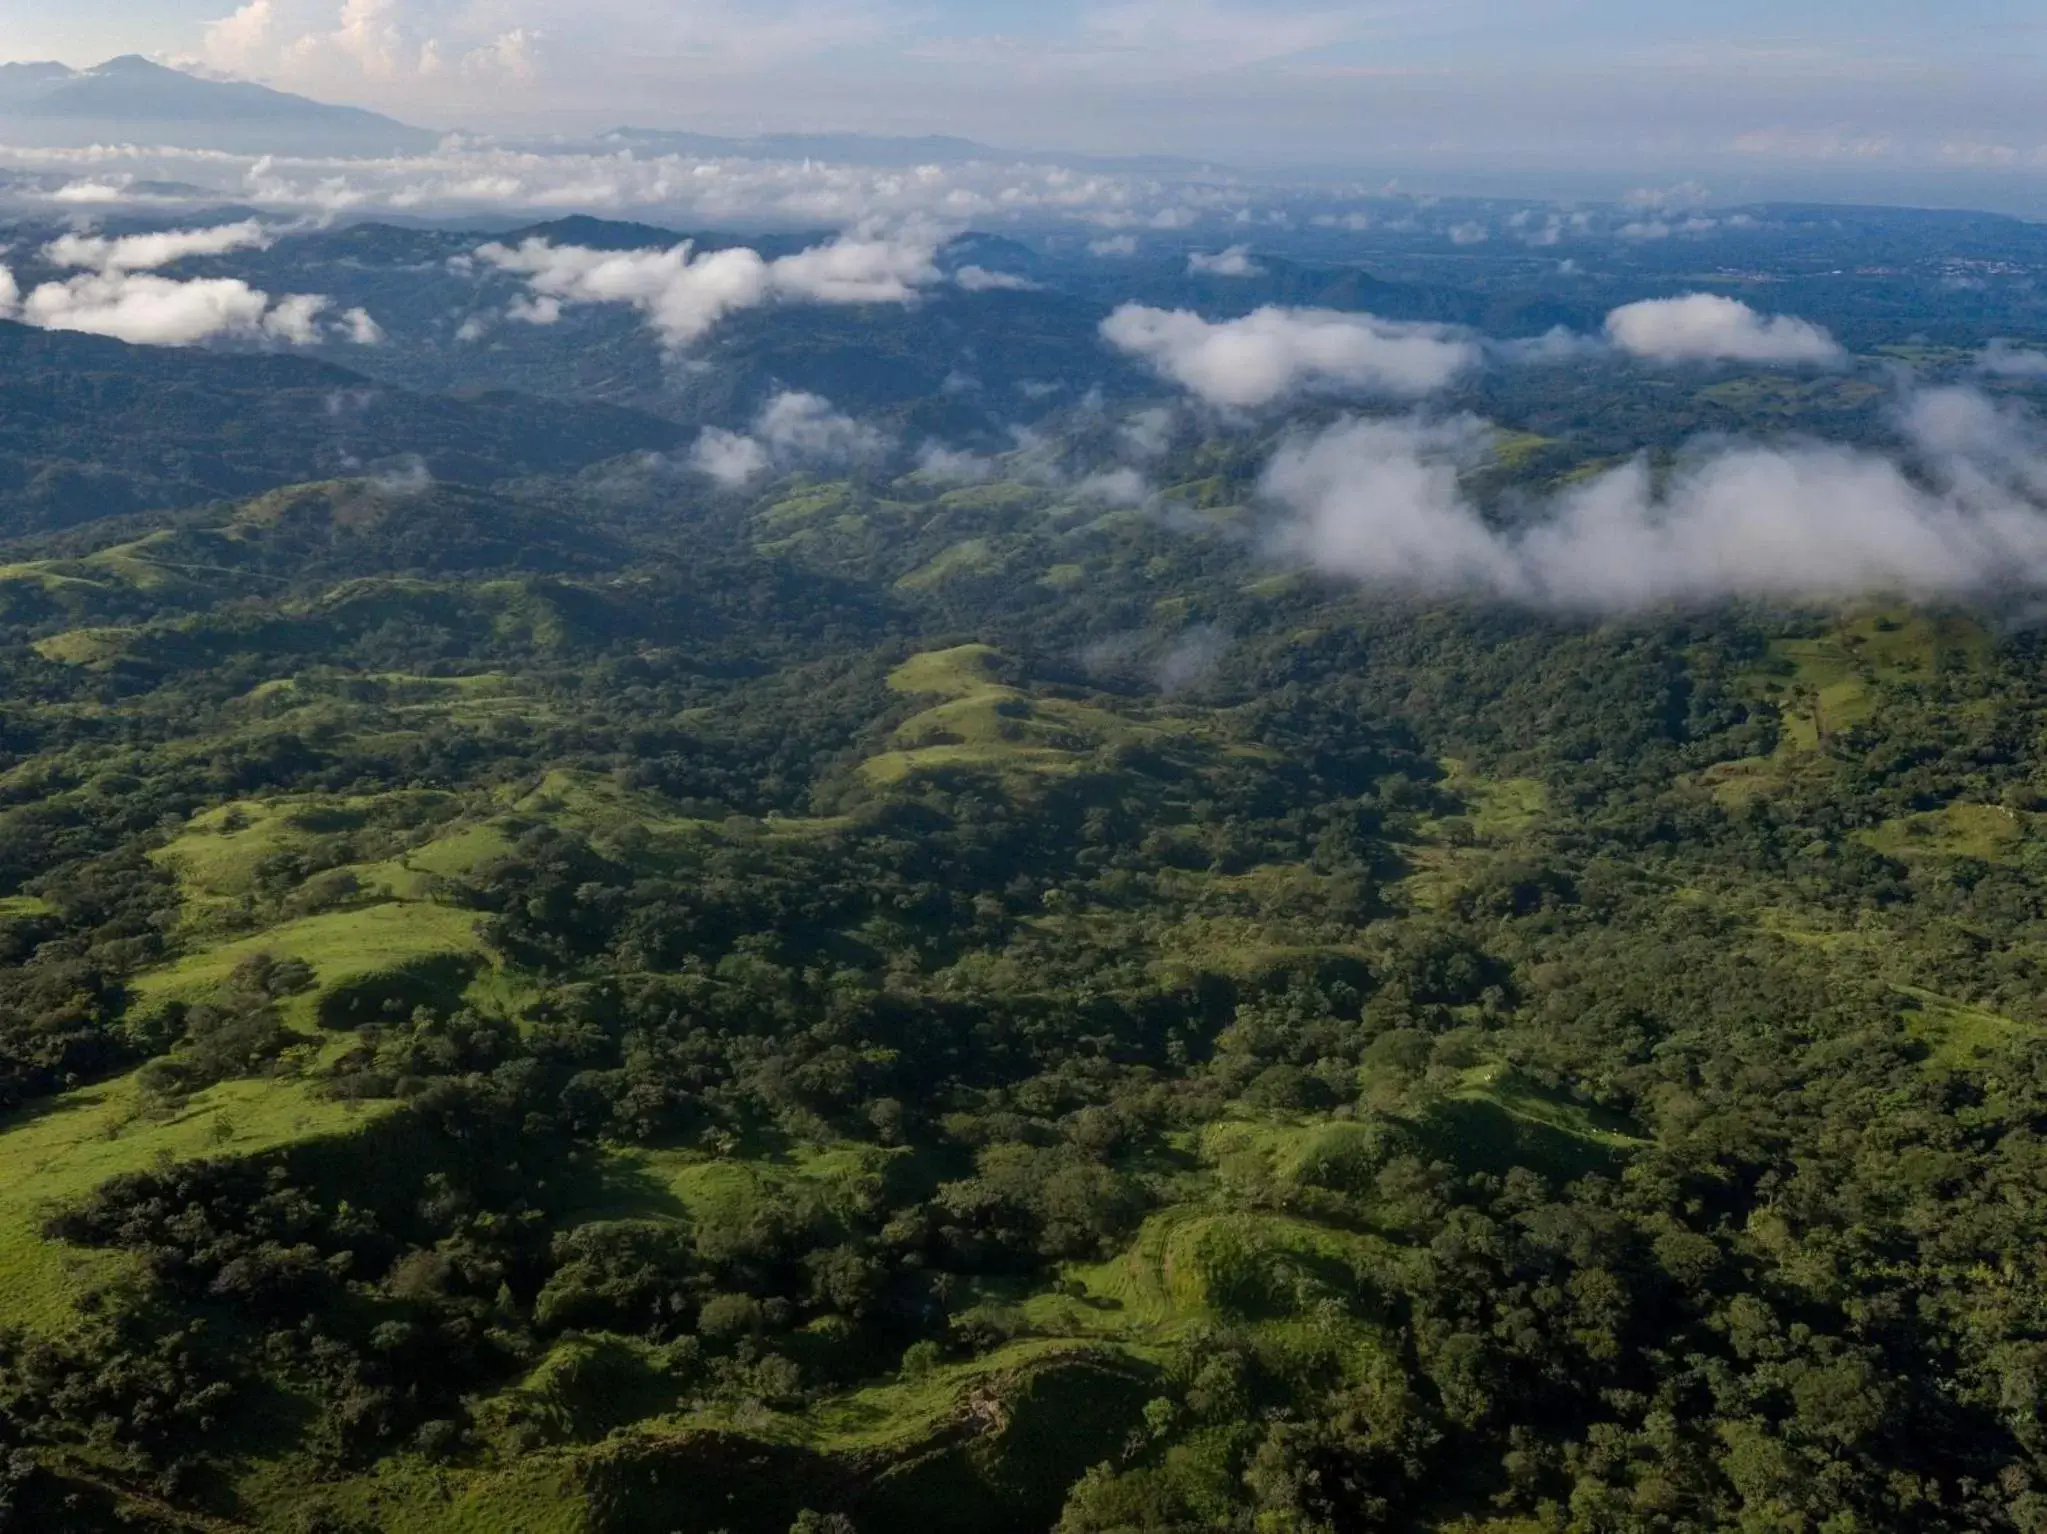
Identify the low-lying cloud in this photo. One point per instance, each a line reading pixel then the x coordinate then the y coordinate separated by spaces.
pixel 685 294
pixel 1234 262
pixel 2006 359
pixel 1709 327
pixel 1275 354
pixel 793 430
pixel 123 296
pixel 979 279
pixel 1963 510
pixel 147 252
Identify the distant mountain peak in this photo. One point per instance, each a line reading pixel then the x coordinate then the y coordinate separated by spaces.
pixel 133 64
pixel 49 104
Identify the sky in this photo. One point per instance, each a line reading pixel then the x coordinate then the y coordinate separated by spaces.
pixel 1852 90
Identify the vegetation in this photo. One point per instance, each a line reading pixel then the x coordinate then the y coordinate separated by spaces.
pixel 580 1005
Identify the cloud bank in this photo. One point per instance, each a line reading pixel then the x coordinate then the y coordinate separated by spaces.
pixel 2006 359
pixel 979 279
pixel 1707 327
pixel 1275 354
pixel 147 252
pixel 1234 262
pixel 1963 511
pixel 793 430
pixel 122 296
pixel 685 294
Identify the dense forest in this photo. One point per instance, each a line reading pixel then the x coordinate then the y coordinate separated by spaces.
pixel 537 993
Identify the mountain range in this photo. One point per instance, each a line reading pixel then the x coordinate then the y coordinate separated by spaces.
pixel 133 99
pixel 136 100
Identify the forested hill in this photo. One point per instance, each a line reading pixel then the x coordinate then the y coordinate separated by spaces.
pixel 588 1004
pixel 90 427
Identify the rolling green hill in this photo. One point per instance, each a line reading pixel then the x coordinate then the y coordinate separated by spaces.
pixel 539 1009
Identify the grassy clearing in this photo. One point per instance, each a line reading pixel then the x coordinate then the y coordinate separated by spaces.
pixel 1493 814
pixel 61 1152
pixel 1166 1282
pixel 987 725
pixel 597 806
pixel 1497 809
pixel 1823 685
pixel 962 672
pixel 1243 947
pixel 539 1492
pixel 1960 1035
pixel 644 1183
pixel 343 947
pixel 905 1412
pixel 1521 1099
pixel 1791 398
pixel 973 556
pixel 1988 832
pixel 221 851
pixel 1830 683
pixel 87 647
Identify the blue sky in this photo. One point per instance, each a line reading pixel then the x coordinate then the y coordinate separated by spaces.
pixel 1826 87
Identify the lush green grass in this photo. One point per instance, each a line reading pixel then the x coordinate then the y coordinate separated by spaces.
pixel 60 1152
pixel 641 1182
pixel 1959 1033
pixel 1988 832
pixel 989 726
pixel 343 947
pixel 1493 813
pixel 88 646
pixel 972 556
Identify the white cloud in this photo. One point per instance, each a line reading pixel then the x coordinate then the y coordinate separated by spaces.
pixel 2007 359
pixel 731 459
pixel 1470 232
pixel 1148 433
pixel 793 430
pixel 1380 500
pixel 684 294
pixel 1708 327
pixel 405 476
pixel 1234 262
pixel 954 466
pixel 1383 501
pixel 464 177
pixel 146 252
pixel 1191 659
pixel 383 45
pixel 1553 346
pixel 1686 194
pixel 805 428
pixel 122 297
pixel 295 319
pixel 1275 353
pixel 528 310
pixel 856 270
pixel 1123 486
pixel 978 279
pixel 438 54
pixel 147 310
pixel 1114 246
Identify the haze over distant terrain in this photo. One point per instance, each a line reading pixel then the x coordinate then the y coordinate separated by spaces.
pixel 1883 101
